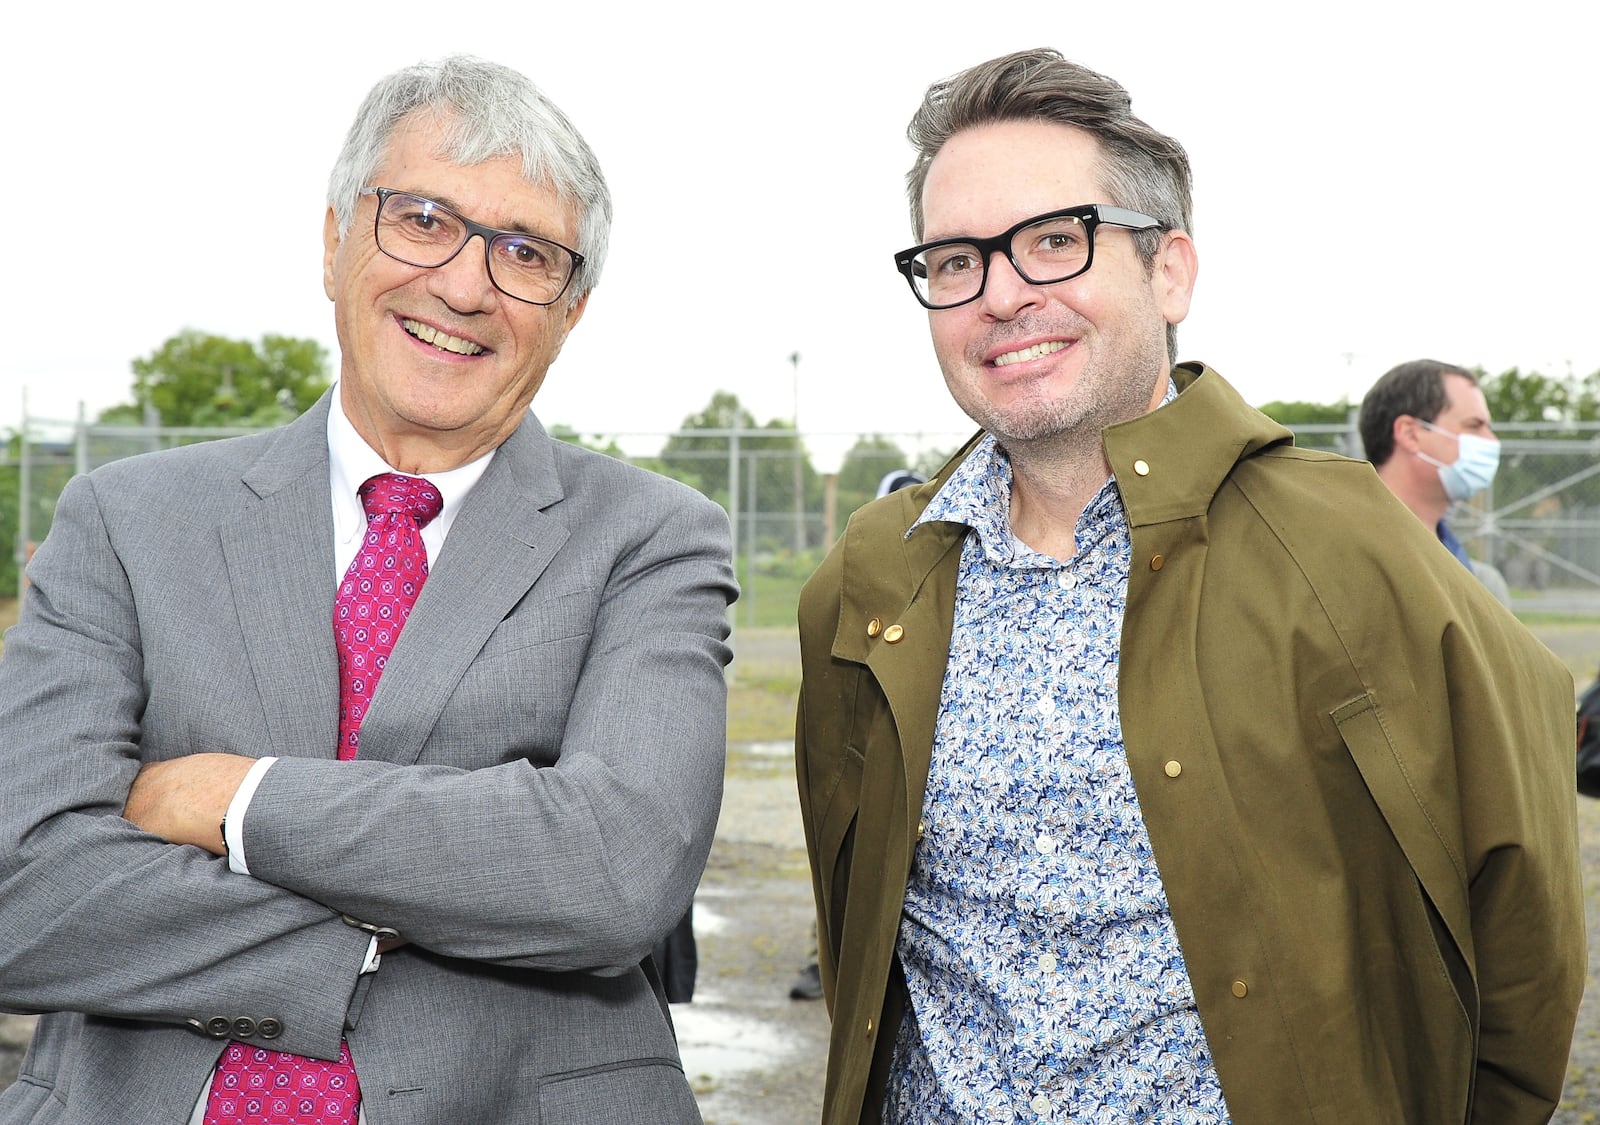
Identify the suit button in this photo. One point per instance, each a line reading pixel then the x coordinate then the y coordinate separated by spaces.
pixel 269 1028
pixel 1157 562
pixel 874 627
pixel 893 634
pixel 1173 768
pixel 244 1027
pixel 219 1027
pixel 1141 467
pixel 1240 989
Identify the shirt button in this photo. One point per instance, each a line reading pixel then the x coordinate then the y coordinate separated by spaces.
pixel 1040 1104
pixel 1045 844
pixel 1047 706
pixel 1067 580
pixel 1047 963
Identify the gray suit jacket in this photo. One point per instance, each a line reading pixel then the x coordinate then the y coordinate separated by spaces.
pixel 539 780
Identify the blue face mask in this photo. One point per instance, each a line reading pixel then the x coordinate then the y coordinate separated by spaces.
pixel 1473 468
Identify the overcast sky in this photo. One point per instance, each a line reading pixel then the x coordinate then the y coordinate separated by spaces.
pixel 1374 183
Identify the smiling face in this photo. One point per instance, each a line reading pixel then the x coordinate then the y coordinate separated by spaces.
pixel 1043 363
pixel 437 366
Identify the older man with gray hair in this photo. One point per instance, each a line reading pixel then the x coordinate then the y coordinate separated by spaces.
pixel 339 778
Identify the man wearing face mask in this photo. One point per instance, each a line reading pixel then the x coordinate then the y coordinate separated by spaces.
pixel 1425 426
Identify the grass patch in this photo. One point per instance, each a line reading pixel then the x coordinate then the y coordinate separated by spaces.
pixel 767 600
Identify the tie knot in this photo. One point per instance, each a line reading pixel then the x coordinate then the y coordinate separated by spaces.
pixel 395 492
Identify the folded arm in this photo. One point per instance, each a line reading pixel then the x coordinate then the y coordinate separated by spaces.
pixel 97 915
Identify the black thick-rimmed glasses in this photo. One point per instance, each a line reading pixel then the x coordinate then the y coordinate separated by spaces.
pixel 1055 246
pixel 420 232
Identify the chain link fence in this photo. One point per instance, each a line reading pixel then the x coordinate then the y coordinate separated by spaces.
pixel 788 496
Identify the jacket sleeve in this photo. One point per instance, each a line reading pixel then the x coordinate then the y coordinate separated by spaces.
pixel 95 915
pixel 554 828
pixel 1512 715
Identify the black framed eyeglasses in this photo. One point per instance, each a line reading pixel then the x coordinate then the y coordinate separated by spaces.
pixel 421 232
pixel 1055 246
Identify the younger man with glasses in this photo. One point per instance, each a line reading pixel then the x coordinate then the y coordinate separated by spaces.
pixel 1143 778
pixel 353 769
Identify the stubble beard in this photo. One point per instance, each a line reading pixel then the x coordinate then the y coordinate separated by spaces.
pixel 1105 392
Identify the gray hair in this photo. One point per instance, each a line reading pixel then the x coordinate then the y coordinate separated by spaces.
pixel 1141 168
pixel 489 110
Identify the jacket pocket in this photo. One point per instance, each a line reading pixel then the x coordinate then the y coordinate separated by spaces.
pixel 653 1090
pixel 839 806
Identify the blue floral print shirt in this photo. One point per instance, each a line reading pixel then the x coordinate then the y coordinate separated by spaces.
pixel 1045 976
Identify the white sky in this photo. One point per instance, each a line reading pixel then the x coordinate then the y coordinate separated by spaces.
pixel 1375 182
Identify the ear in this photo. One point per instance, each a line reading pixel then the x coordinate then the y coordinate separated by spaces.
pixel 330 248
pixel 575 312
pixel 1172 275
pixel 1404 433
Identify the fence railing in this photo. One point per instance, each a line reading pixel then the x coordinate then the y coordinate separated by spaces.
pixel 788 495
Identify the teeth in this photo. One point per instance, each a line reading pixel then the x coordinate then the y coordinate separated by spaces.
pixel 429 335
pixel 1029 353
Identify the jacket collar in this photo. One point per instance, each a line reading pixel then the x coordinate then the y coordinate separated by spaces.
pixel 1169 463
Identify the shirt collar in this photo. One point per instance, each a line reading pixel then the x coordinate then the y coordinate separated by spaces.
pixel 351 462
pixel 978 495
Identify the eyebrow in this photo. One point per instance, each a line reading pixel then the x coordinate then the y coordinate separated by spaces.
pixel 446 201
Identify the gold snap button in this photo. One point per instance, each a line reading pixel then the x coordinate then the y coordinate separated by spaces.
pixel 1157 562
pixel 1173 768
pixel 1142 467
pixel 893 634
pixel 1240 988
pixel 874 627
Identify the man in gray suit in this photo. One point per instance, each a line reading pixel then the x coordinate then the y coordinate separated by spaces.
pixel 267 857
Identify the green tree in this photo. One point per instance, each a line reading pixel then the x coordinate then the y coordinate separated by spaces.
pixel 1515 397
pixel 776 515
pixel 566 433
pixel 701 460
pixel 1293 414
pixel 862 470
pixel 195 379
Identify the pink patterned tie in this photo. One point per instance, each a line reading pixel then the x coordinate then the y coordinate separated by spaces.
pixel 256 1085
pixel 378 591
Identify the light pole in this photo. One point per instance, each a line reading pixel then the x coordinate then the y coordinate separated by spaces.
pixel 799 477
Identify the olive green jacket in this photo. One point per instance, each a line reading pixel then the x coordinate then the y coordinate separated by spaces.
pixel 1356 769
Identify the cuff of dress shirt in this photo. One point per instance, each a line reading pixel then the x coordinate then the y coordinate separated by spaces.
pixel 233 826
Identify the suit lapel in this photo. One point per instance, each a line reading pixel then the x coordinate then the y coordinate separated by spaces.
pixel 279 558
pixel 500 543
